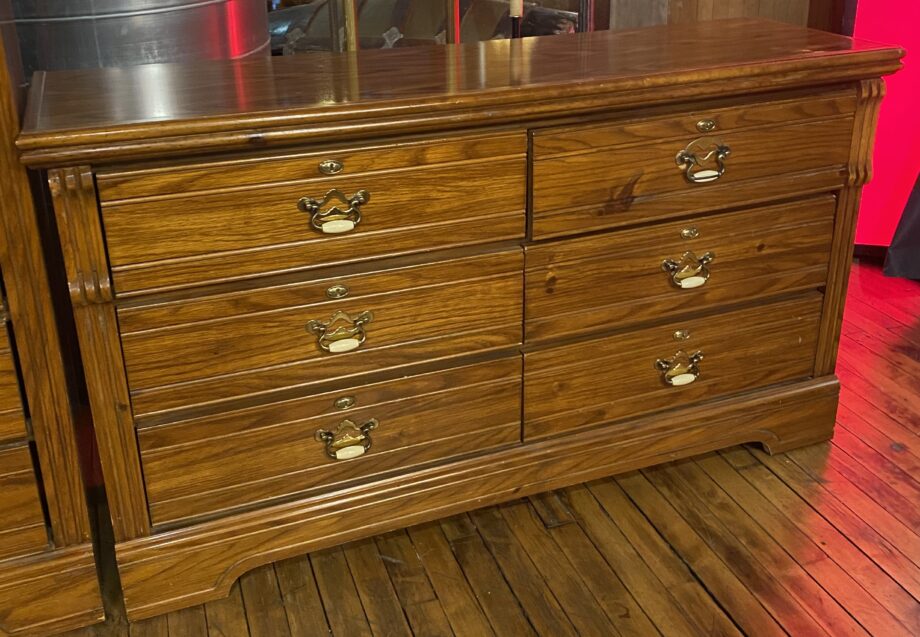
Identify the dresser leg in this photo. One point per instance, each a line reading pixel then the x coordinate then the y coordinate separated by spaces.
pixel 820 429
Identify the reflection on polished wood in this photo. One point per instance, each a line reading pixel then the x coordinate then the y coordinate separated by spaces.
pixel 138 111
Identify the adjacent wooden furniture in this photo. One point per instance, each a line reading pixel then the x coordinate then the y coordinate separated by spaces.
pixel 47 570
pixel 322 297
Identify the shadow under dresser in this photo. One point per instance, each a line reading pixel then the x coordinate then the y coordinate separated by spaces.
pixel 325 296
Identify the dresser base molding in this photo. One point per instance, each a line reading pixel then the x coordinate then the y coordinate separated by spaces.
pixel 50 593
pixel 176 569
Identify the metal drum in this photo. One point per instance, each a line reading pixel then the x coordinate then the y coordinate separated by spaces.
pixel 66 34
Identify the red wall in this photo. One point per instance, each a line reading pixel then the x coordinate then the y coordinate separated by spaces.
pixel 897 150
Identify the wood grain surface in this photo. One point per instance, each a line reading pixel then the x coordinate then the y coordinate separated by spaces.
pixel 212 464
pixel 105 114
pixel 22 523
pixel 12 416
pixel 730 543
pixel 192 292
pixel 599 282
pixel 47 574
pixel 621 181
pixel 606 378
pixel 194 232
pixel 443 309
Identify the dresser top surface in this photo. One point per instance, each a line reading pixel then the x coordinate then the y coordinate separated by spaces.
pixel 100 106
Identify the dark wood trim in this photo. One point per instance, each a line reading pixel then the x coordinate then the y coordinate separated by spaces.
pixel 835 16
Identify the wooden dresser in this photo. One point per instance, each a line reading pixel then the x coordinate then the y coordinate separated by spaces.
pixel 48 577
pixel 325 296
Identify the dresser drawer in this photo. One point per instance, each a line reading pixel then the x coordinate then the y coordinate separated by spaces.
pixel 22 523
pixel 603 175
pixel 241 458
pixel 623 375
pixel 177 226
pixel 12 418
pixel 255 341
pixel 575 286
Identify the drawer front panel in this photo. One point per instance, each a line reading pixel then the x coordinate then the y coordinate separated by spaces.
pixel 576 286
pixel 616 377
pixel 12 417
pixel 189 237
pixel 598 179
pixel 241 343
pixel 213 464
pixel 22 523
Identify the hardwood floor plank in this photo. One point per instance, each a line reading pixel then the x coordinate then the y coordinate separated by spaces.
pixel 846 591
pixel 799 581
pixel 428 620
pixel 227 617
pixel 492 592
pixel 421 604
pixel 875 394
pixel 381 605
pixel 188 622
pixel 898 399
pixel 551 509
pixel 867 498
pixel 696 602
pixel 262 598
pixel 833 542
pixel 541 606
pixel 767 583
pixel 863 534
pixel 622 608
pixel 302 603
pixel 894 446
pixel 576 599
pixel 341 603
pixel 153 627
pixel 629 566
pixel 867 462
pixel 450 585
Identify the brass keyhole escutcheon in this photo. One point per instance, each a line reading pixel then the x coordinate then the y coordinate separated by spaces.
pixel 345 402
pixel 691 232
pixel 331 167
pixel 337 292
pixel 706 125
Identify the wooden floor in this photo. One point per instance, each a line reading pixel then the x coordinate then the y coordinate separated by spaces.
pixel 819 541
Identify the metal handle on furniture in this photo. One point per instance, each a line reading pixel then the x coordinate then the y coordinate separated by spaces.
pixel 344 338
pixel 691 271
pixel 696 154
pixel 680 369
pixel 335 220
pixel 348 440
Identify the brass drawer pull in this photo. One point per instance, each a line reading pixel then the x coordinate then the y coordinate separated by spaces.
pixel 335 220
pixel 681 369
pixel 343 338
pixel 691 271
pixel 697 153
pixel 348 440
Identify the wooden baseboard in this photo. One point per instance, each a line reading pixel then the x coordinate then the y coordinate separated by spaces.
pixel 184 567
pixel 50 592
